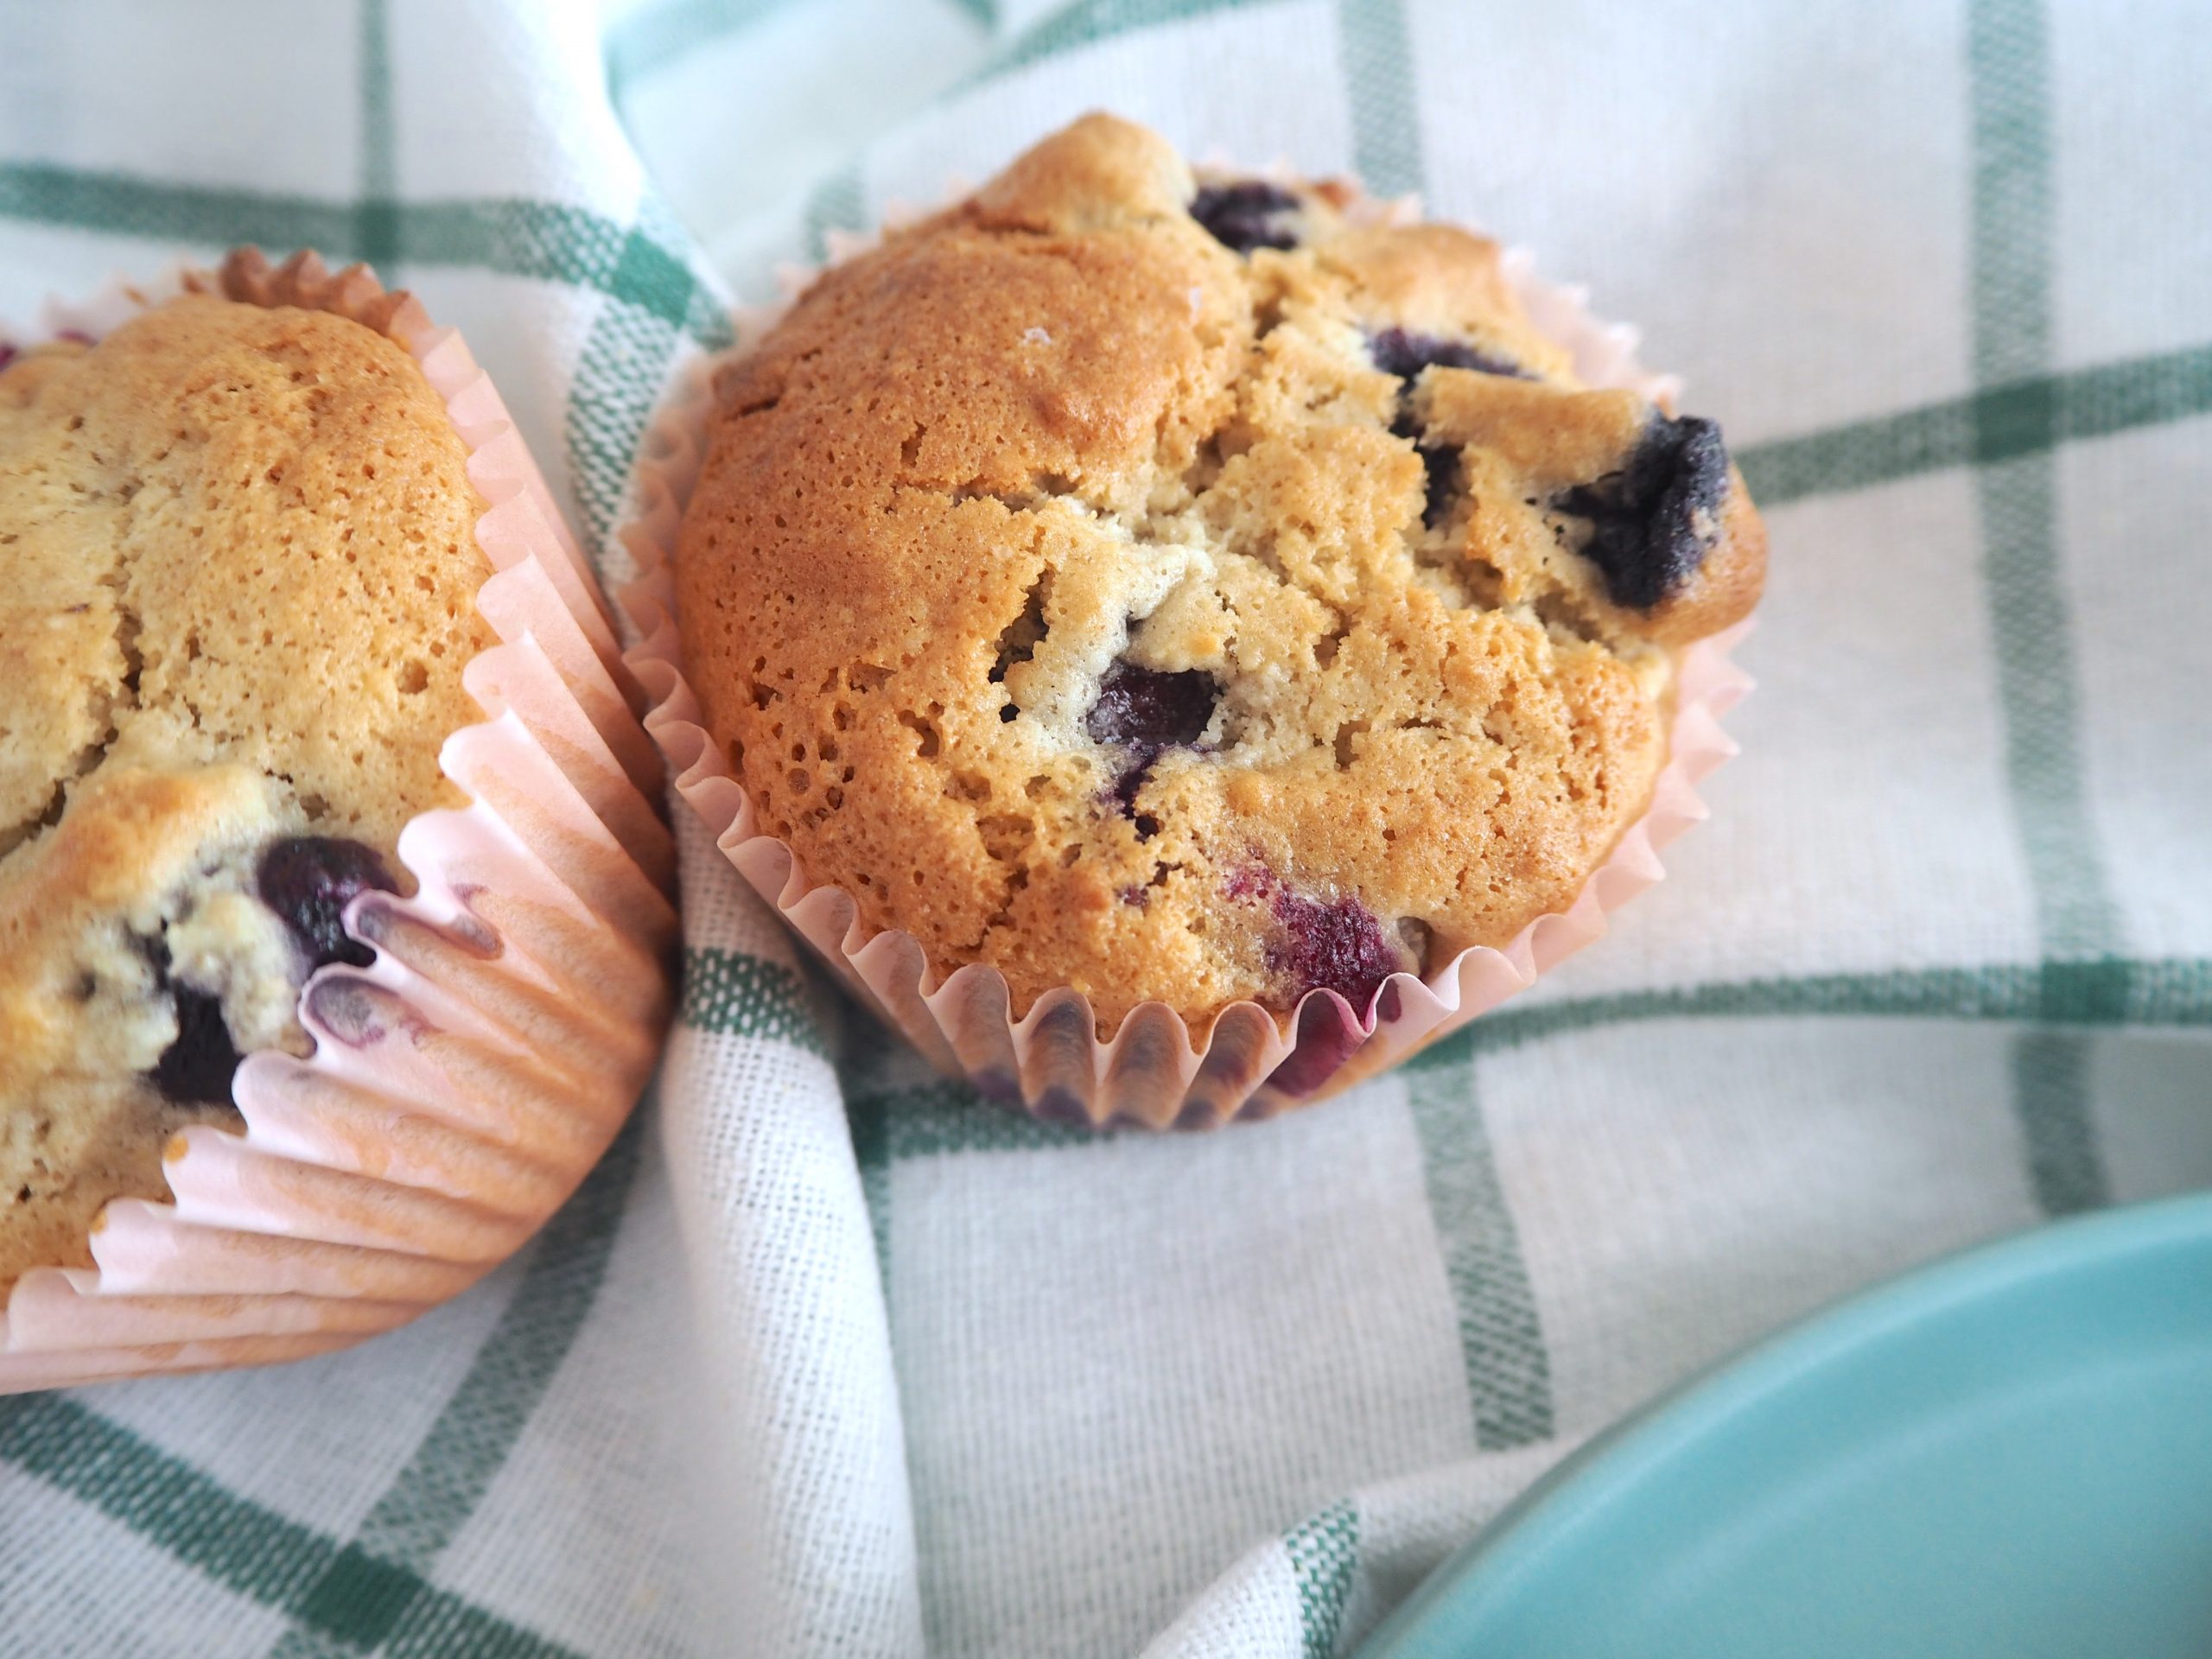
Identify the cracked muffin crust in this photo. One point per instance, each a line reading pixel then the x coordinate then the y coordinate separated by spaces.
pixel 1189 589
pixel 237 579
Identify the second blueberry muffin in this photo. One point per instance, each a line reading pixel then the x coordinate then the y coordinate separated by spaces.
pixel 238 581
pixel 1179 589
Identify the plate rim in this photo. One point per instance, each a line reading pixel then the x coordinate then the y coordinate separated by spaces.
pixel 1630 1448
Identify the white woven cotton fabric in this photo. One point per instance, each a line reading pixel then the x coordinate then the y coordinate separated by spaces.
pixel 830 1358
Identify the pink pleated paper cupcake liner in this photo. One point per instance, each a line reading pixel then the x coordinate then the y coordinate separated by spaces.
pixel 464 1083
pixel 1151 1072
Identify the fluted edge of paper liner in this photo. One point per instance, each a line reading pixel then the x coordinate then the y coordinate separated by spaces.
pixel 1150 1073
pixel 465 1081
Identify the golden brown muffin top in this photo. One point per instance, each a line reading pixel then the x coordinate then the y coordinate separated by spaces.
pixel 1192 591
pixel 234 534
pixel 238 581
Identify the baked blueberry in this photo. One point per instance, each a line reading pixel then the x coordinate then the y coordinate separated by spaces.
pixel 308 881
pixel 1439 467
pixel 1145 711
pixel 1150 708
pixel 197 1066
pixel 1338 946
pixel 1406 353
pixel 1248 215
pixel 1652 522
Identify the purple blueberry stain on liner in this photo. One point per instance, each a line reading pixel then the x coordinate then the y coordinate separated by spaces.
pixel 1144 1060
pixel 1652 523
pixel 379 916
pixel 1247 214
pixel 373 923
pixel 308 881
pixel 478 936
pixel 470 929
pixel 1059 1105
pixel 1000 1088
pixel 353 1011
pixel 1067 1022
pixel 1329 1034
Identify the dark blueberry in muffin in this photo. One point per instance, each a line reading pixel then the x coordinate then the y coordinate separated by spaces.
pixel 308 881
pixel 1397 351
pixel 1339 946
pixel 1333 945
pixel 1441 477
pixel 1651 522
pixel 1405 354
pixel 1129 782
pixel 197 1066
pixel 1146 710
pixel 1151 707
pixel 1246 215
pixel 1440 466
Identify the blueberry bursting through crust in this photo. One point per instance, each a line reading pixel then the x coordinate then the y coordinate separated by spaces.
pixel 1248 215
pixel 198 1066
pixel 1193 589
pixel 307 881
pixel 1652 522
pixel 1144 712
pixel 1398 352
pixel 1332 945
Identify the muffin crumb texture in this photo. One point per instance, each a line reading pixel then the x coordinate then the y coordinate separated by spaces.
pixel 238 577
pixel 1188 589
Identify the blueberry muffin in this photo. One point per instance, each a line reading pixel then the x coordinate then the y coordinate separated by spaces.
pixel 238 576
pixel 1192 589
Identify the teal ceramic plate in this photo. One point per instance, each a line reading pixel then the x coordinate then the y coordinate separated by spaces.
pixel 2007 1453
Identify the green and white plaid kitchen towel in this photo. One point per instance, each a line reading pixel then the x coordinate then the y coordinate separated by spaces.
pixel 829 1359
